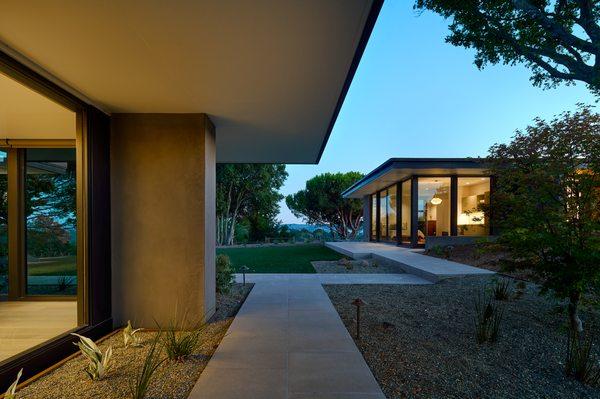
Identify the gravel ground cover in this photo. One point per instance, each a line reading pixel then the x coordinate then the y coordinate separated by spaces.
pixel 349 266
pixel 173 380
pixel 419 342
pixel 488 256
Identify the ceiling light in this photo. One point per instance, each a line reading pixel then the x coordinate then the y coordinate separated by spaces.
pixel 436 200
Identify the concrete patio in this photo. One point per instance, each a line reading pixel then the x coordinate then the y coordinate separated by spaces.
pixel 288 341
pixel 409 259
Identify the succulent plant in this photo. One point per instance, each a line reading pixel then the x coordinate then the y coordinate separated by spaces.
pixel 99 363
pixel 129 336
pixel 11 393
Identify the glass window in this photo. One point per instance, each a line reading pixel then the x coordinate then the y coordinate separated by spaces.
pixel 473 199
pixel 405 212
pixel 383 204
pixel 3 225
pixel 391 213
pixel 50 212
pixel 433 207
pixel 373 217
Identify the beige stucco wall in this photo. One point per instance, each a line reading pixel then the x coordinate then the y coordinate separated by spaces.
pixel 163 217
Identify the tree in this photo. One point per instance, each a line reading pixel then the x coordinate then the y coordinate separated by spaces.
pixel 321 203
pixel 245 189
pixel 558 40
pixel 547 203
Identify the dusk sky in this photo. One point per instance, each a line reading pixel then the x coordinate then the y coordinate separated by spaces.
pixel 416 96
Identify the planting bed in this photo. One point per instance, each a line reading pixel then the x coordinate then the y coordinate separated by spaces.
pixel 172 380
pixel 420 342
pixel 349 266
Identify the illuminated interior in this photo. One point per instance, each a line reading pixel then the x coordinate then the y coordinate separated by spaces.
pixel 434 216
pixel 473 197
pixel 433 207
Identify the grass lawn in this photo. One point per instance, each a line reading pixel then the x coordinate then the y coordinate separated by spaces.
pixel 279 259
pixel 60 266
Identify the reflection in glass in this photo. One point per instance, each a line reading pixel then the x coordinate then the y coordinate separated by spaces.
pixel 391 213
pixel 3 224
pixel 50 212
pixel 433 207
pixel 473 198
pixel 405 212
pixel 383 223
pixel 373 217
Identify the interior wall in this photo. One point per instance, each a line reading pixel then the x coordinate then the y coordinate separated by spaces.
pixel 162 199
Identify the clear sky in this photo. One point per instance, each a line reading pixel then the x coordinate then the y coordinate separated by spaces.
pixel 414 95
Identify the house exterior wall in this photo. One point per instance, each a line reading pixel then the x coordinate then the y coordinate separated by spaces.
pixel 163 203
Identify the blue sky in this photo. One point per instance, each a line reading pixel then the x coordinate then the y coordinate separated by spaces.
pixel 413 95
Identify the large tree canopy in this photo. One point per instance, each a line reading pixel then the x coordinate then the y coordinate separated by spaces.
pixel 547 202
pixel 321 203
pixel 246 191
pixel 559 39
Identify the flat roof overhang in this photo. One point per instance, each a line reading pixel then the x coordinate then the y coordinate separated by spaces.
pixel 272 76
pixel 396 169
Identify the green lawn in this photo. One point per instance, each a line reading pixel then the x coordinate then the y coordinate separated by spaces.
pixel 61 266
pixel 279 259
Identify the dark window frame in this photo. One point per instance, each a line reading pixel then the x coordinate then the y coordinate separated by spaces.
pixel 93 155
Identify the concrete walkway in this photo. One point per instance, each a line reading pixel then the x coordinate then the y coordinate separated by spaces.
pixel 336 278
pixel 288 341
pixel 410 260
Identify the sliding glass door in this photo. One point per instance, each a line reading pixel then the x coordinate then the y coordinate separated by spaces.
pixel 40 295
pixel 51 221
pixel 433 211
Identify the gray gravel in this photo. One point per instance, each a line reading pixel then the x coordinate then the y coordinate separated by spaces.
pixel 173 380
pixel 419 342
pixel 349 266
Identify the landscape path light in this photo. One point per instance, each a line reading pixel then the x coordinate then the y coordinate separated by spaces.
pixel 358 303
pixel 244 269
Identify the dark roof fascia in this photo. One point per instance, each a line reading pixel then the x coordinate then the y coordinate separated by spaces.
pixel 360 49
pixel 414 163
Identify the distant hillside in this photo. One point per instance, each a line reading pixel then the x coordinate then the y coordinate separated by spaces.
pixel 309 227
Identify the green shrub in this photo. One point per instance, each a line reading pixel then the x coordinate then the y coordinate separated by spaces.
pixel 225 276
pixel 581 363
pixel 141 382
pixel 502 289
pixel 180 342
pixel 437 250
pixel 488 317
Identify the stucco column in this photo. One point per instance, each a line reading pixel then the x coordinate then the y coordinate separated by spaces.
pixel 163 218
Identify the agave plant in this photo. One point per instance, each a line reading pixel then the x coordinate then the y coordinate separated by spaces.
pixel 12 389
pixel 99 363
pixel 129 336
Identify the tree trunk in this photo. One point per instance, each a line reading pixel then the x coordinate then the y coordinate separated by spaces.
pixel 574 320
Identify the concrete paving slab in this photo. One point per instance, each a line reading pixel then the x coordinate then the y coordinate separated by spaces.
pixel 330 372
pixel 288 341
pixel 409 259
pixel 236 383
